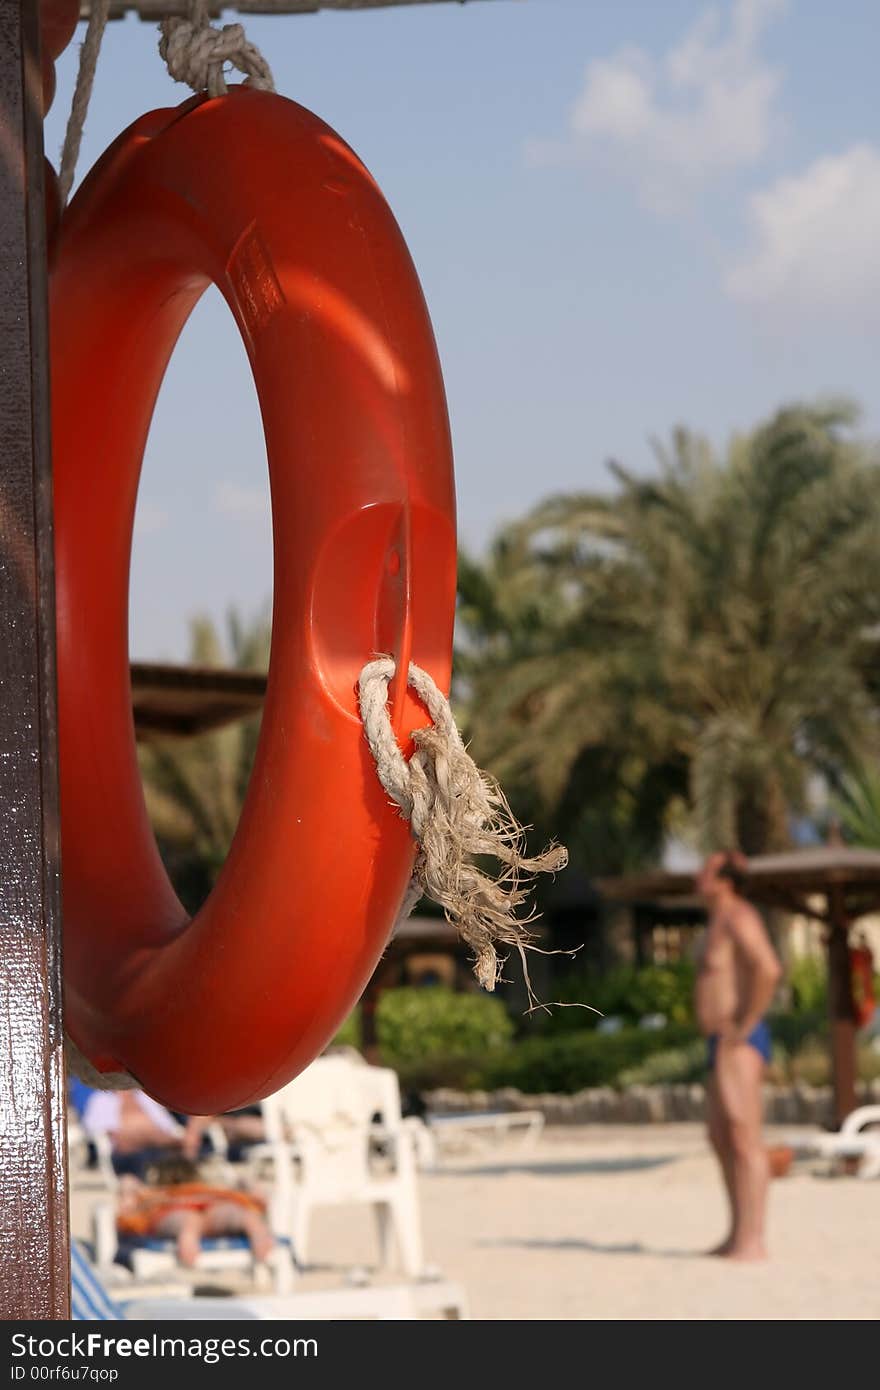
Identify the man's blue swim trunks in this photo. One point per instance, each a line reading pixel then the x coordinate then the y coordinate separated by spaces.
pixel 759 1038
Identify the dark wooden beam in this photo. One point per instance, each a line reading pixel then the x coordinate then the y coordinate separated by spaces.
pixel 34 1271
pixel 155 10
pixel 773 879
pixel 186 700
pixel 841 1007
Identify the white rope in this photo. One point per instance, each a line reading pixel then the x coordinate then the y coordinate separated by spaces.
pixel 85 78
pixel 79 1066
pixel 457 813
pixel 195 53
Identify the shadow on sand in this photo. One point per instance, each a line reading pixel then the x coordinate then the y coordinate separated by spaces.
pixel 595 1247
pixel 560 1167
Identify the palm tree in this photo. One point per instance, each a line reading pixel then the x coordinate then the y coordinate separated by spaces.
pixel 857 807
pixel 195 787
pixel 691 646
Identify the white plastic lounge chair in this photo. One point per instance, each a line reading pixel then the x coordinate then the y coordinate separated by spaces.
pixel 462 1131
pixel 92 1301
pixel 77 1146
pixel 157 1258
pixel 388 1126
pixel 392 1302
pixel 326 1150
pixel 855 1139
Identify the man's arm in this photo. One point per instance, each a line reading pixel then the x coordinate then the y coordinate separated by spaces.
pixel 764 970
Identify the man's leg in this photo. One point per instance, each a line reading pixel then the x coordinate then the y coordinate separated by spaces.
pixel 739 1071
pixel 719 1138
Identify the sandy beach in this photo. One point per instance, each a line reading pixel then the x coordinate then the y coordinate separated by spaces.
pixel 609 1223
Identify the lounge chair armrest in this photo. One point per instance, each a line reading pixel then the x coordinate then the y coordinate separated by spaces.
pixel 104 1234
pixel 857 1119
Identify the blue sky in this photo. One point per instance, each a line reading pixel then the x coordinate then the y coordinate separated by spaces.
pixel 625 216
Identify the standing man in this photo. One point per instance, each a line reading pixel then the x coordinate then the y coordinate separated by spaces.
pixel 736 979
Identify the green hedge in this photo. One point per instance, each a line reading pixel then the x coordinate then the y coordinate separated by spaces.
pixel 572 1061
pixel 791 1030
pixel 671 1066
pixel 626 992
pixel 807 980
pixel 349 1034
pixel 434 1036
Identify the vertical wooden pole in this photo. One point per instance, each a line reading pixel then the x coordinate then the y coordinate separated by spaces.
pixel 34 1272
pixel 386 975
pixel 641 920
pixel 841 1007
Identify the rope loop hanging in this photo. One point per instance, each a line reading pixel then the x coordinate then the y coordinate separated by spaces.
pixel 99 12
pixel 195 53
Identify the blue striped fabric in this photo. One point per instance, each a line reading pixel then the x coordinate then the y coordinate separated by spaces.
pixel 167 1244
pixel 89 1300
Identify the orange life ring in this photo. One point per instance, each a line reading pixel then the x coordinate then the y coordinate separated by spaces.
pixel 861 963
pixel 258 195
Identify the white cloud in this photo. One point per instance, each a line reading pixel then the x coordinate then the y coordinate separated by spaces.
pixel 815 242
pixel 706 107
pixel 249 504
pixel 148 519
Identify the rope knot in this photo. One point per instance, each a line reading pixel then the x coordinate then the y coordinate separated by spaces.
pixel 195 52
pixel 458 815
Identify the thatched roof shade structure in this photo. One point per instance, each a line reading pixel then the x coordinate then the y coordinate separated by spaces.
pixel 186 700
pixel 793 881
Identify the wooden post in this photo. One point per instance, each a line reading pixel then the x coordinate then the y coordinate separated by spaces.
pixel 841 1007
pixel 34 1274
pixel 386 975
pixel 642 923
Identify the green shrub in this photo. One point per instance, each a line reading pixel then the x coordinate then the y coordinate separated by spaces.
pixel 868 1063
pixel 568 1062
pixel 811 1063
pixel 416 1027
pixel 792 1030
pixel 349 1034
pixel 677 1064
pixel 807 979
pixel 623 991
pixel 778 1072
pixel 664 989
pixel 608 992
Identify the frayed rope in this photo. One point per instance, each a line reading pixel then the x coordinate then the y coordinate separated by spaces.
pixel 457 814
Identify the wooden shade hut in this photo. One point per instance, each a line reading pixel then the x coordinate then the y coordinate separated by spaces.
pixel 187 700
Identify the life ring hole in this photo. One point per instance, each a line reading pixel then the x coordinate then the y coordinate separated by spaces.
pixel 200 597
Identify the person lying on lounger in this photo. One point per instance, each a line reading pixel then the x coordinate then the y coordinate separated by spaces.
pixel 181 1206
